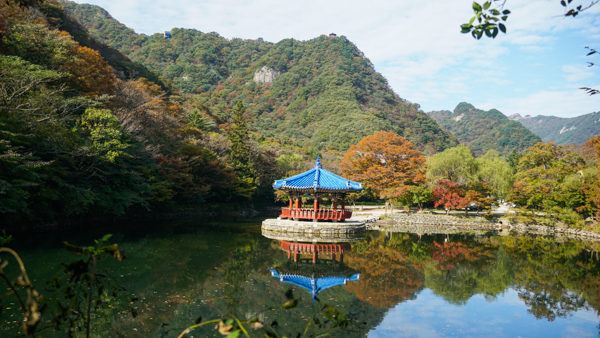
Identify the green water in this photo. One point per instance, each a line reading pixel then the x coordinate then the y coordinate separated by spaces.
pixel 409 285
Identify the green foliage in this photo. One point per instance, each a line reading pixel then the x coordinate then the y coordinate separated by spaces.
pixel 488 18
pixel 104 133
pixel 456 164
pixel 485 130
pixel 494 173
pixel 417 196
pixel 327 95
pixel 552 178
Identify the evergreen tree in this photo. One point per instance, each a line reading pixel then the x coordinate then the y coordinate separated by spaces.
pixel 241 155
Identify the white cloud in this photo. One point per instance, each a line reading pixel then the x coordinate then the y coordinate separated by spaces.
pixel 576 73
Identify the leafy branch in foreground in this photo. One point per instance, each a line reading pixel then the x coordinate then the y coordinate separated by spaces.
pixel 488 18
pixel 30 305
pixel 233 327
pixel 85 290
pixel 588 90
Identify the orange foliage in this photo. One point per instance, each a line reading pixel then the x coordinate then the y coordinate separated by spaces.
pixel 90 71
pixel 387 276
pixel 384 162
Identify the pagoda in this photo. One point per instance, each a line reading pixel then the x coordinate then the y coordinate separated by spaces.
pixel 316 183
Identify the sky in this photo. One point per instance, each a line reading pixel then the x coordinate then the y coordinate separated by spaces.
pixel 536 68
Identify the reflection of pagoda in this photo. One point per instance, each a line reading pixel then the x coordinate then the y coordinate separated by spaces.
pixel 295 250
pixel 317 276
pixel 313 284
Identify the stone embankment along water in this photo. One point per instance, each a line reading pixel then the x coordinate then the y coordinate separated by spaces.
pixel 311 231
pixel 425 223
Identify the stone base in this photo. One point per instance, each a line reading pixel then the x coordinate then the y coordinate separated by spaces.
pixel 308 231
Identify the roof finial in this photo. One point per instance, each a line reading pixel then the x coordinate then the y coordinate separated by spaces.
pixel 318 162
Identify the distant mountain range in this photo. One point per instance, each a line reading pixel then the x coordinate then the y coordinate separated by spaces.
pixel 484 130
pixel 574 130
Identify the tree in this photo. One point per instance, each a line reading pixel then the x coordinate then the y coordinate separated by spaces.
pixel 455 164
pixel 104 132
pixel 541 172
pixel 241 155
pixel 495 174
pixel 594 191
pixel 449 194
pixel 417 195
pixel 384 162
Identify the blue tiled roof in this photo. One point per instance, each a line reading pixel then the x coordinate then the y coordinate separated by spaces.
pixel 317 179
pixel 312 284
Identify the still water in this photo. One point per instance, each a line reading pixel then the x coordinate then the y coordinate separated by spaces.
pixel 380 285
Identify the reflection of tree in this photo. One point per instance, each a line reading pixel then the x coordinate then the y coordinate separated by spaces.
pixel 388 276
pixel 459 270
pixel 550 301
pixel 553 279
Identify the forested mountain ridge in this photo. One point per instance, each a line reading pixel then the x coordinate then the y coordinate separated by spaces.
pixel 325 94
pixel 484 130
pixel 98 124
pixel 562 130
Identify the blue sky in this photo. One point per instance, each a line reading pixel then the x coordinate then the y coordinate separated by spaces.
pixel 535 69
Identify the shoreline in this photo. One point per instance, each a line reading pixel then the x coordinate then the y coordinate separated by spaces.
pixel 432 223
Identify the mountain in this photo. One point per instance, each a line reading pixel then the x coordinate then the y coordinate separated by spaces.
pixel 484 130
pixel 574 130
pixel 321 94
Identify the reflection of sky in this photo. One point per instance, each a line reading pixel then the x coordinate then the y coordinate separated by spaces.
pixel 506 316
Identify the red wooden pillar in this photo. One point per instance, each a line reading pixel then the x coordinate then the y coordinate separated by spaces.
pixel 291 200
pixel 315 256
pixel 315 206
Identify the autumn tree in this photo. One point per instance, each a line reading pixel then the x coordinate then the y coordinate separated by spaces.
pixel 450 195
pixel 385 163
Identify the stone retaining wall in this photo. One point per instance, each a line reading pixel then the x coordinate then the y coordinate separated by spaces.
pixel 422 223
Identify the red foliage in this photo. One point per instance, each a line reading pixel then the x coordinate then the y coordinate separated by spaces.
pixel 449 254
pixel 450 195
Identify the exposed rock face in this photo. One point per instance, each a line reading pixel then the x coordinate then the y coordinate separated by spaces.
pixel 265 75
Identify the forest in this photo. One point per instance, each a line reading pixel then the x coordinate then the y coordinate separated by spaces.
pixel 99 121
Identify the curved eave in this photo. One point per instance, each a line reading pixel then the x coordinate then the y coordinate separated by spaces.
pixel 312 189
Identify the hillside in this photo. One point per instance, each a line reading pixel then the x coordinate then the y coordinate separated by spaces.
pixel 317 95
pixel 483 130
pixel 574 130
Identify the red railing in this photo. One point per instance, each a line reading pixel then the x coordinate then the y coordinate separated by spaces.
pixel 320 215
pixel 312 247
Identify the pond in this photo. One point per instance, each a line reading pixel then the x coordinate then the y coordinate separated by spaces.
pixel 380 285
